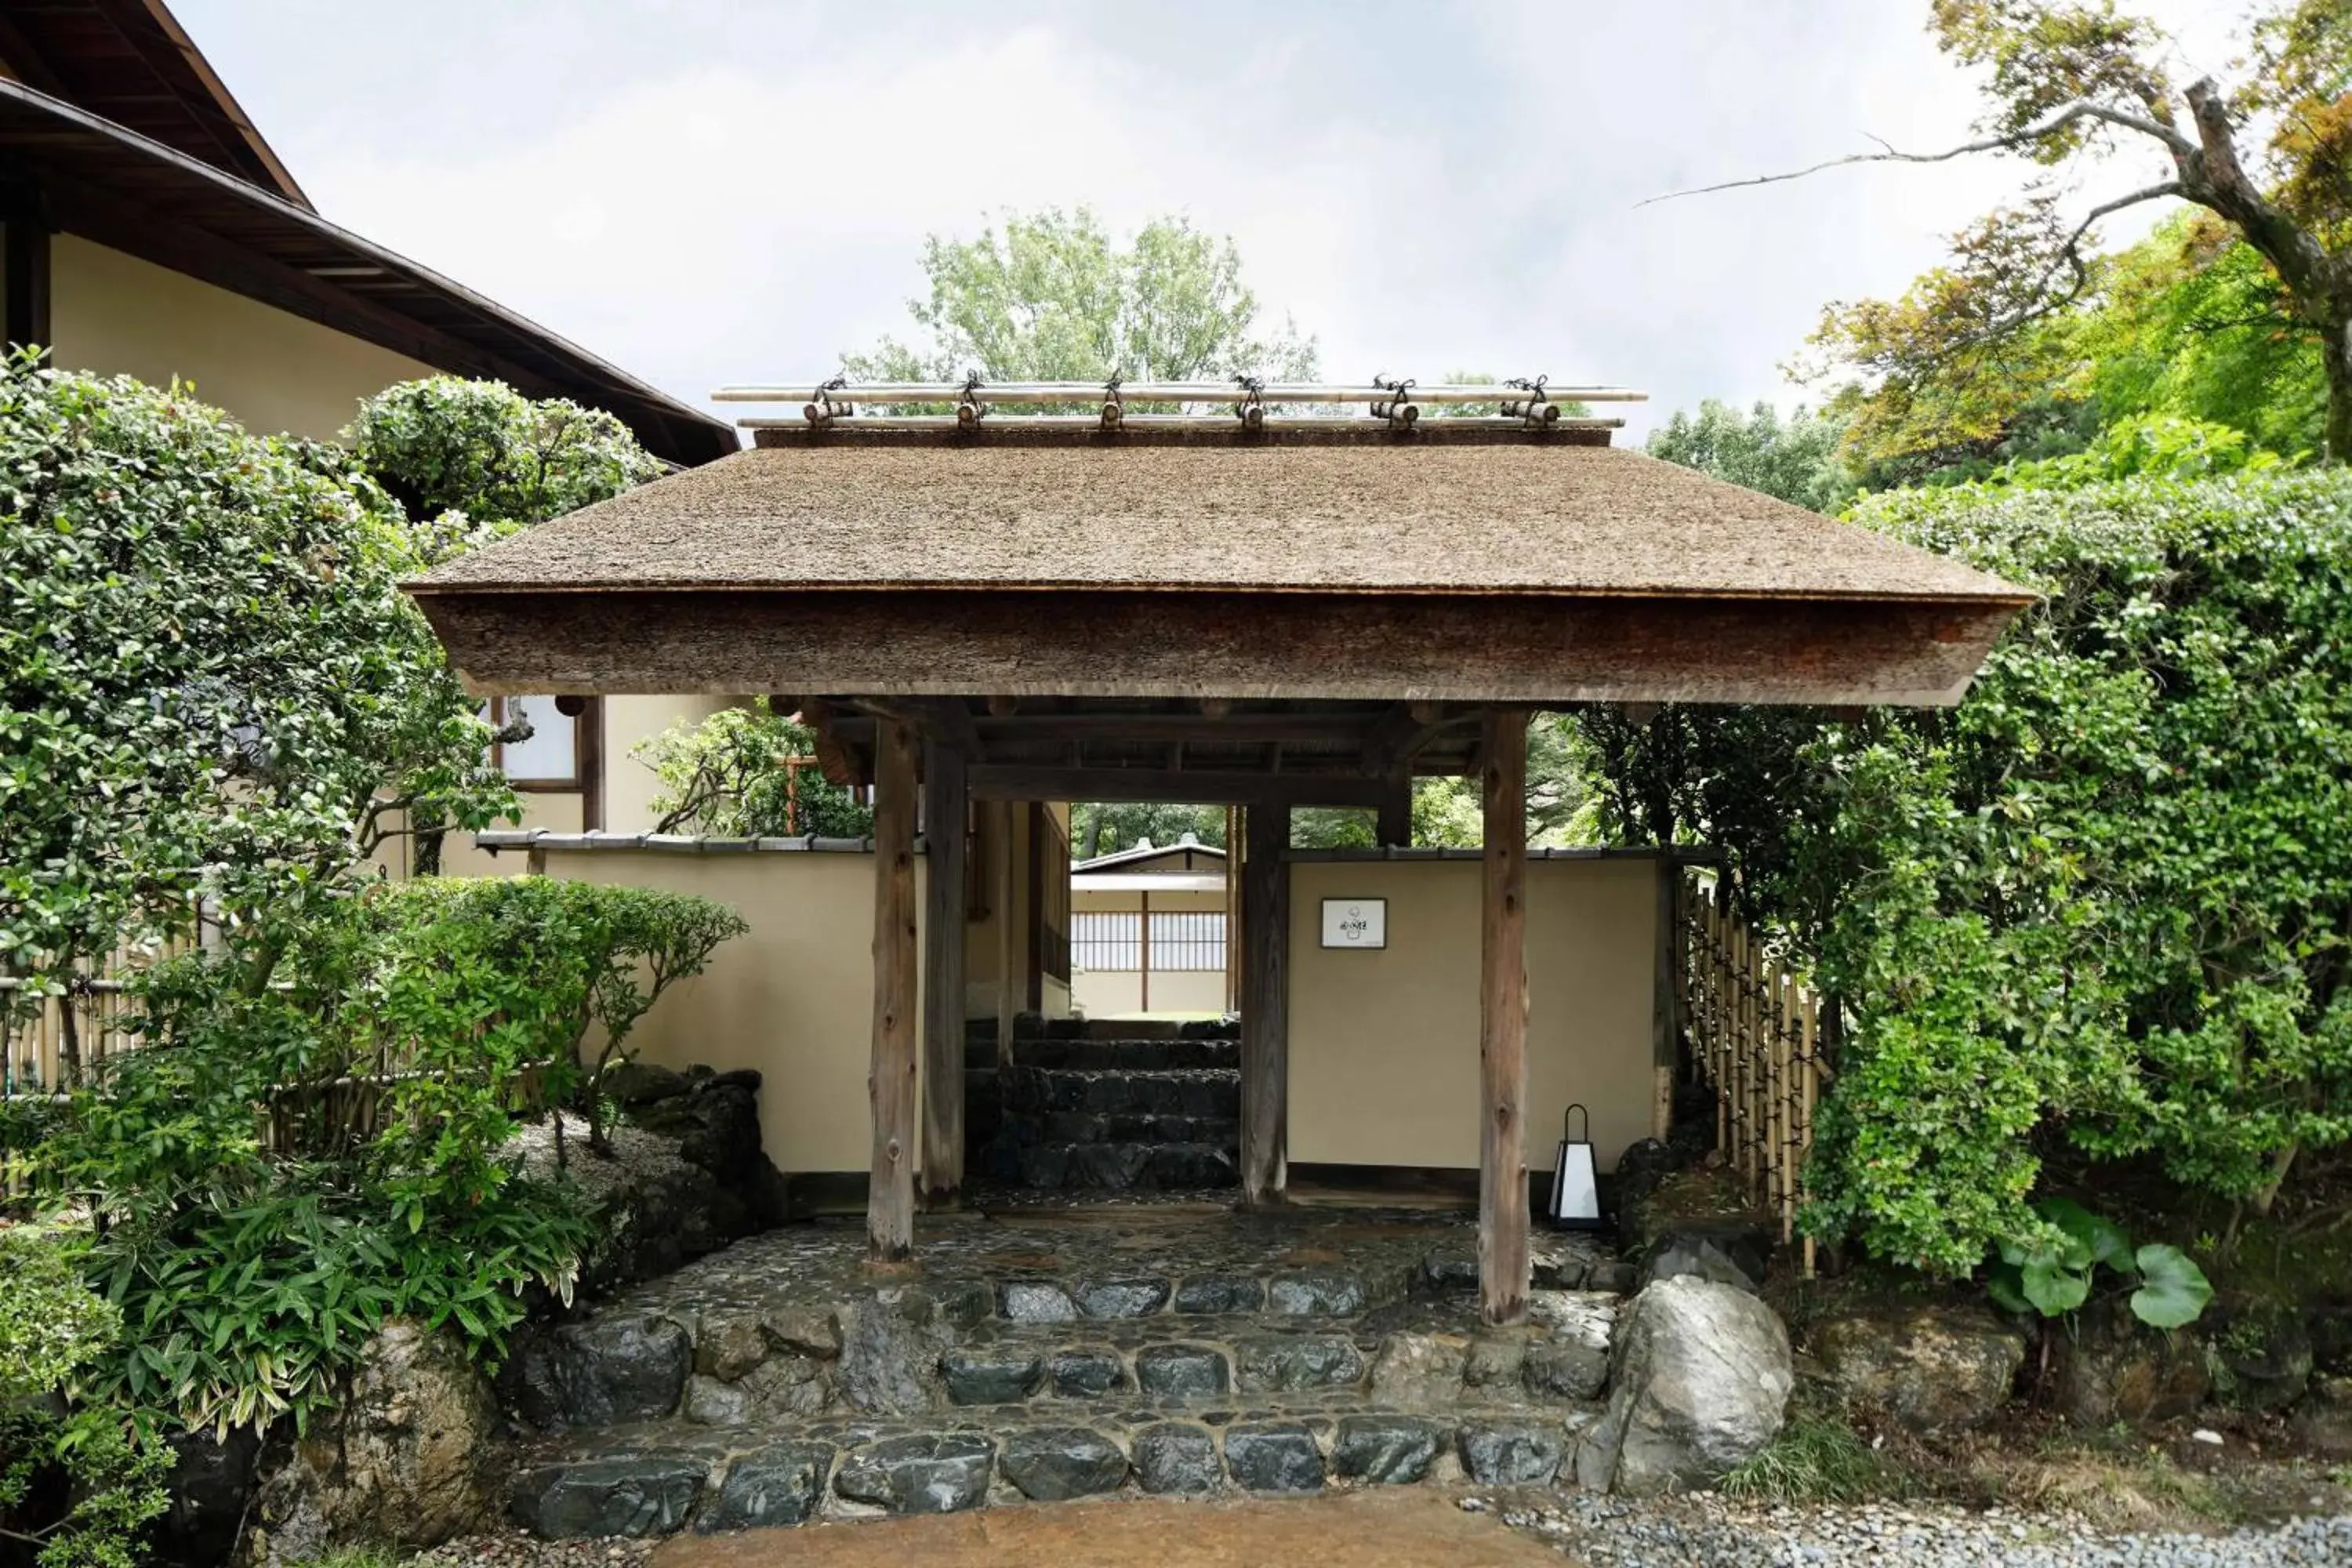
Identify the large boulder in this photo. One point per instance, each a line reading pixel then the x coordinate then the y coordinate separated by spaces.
pixel 716 1121
pixel 209 1491
pixel 2323 1422
pixel 1933 1369
pixel 682 1174
pixel 2110 1367
pixel 1700 1383
pixel 2264 1357
pixel 398 1462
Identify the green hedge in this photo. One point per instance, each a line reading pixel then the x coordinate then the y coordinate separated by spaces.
pixel 2105 902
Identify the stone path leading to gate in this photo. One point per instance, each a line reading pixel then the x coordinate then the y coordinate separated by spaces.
pixel 1413 1528
pixel 1050 1356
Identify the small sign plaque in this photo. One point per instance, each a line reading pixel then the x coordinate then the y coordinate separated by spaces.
pixel 1356 923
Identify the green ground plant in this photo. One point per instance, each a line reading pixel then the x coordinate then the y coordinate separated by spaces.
pixel 1817 1458
pixel 77 1486
pixel 250 1270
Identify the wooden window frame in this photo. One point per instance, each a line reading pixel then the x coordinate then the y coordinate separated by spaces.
pixel 587 780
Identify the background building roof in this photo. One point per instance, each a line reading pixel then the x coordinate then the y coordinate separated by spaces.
pixel 130 62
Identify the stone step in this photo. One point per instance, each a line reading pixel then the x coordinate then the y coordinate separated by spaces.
pixel 1144 1054
pixel 659 1478
pixel 1116 1167
pixel 1204 1092
pixel 1183 1358
pixel 1029 1128
pixel 1029 1026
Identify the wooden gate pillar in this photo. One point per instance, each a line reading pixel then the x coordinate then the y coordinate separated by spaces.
pixel 1265 1006
pixel 1503 1021
pixel 890 1081
pixel 945 820
pixel 1393 822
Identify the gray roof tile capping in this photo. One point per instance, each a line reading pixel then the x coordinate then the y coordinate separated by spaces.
pixel 1522 517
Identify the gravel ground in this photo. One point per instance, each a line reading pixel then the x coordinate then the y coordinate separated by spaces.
pixel 516 1550
pixel 1713 1533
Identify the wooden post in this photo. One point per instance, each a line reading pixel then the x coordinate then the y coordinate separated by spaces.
pixel 1232 909
pixel 1662 1006
pixel 1143 950
pixel 946 816
pixel 1266 1007
pixel 890 1082
pixel 1394 826
pixel 1503 1021
pixel 1004 933
pixel 1742 1001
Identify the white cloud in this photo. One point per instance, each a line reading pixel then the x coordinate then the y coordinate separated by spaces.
pixel 707 193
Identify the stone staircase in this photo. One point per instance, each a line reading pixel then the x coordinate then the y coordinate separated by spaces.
pixel 1108 1107
pixel 770 1386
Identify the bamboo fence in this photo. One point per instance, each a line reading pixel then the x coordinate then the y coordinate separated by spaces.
pixel 64 1039
pixel 1756 1036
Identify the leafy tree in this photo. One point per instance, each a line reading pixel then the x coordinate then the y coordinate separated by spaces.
pixel 2103 902
pixel 471 460
pixel 1796 459
pixel 2271 160
pixel 251 1273
pixel 2190 325
pixel 1053 297
pixel 725 777
pixel 1099 828
pixel 210 685
pixel 481 448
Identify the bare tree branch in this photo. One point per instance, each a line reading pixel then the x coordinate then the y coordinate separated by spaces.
pixel 2180 145
pixel 2070 252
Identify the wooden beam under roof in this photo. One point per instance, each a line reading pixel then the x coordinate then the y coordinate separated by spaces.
pixel 1526 648
pixel 1190 786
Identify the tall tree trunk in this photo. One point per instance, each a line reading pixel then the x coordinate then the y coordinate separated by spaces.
pixel 2336 350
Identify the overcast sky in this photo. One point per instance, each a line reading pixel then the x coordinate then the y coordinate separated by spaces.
pixel 707 192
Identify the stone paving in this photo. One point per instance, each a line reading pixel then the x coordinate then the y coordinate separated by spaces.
pixel 1042 1356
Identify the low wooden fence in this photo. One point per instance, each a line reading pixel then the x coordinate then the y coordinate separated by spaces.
pixel 1758 1037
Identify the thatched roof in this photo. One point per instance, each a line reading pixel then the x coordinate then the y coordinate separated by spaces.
pixel 1495 517
pixel 1445 567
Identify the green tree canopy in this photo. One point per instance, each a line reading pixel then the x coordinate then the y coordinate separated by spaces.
pixel 1794 458
pixel 482 449
pixel 1974 345
pixel 1052 296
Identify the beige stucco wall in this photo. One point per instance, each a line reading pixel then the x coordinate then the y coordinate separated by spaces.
pixel 793 998
pixel 115 314
pixel 1384 1045
pixel 557 812
pixel 1115 993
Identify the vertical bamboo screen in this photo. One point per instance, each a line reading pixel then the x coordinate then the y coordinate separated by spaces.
pixel 40 1055
pixel 1754 1037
